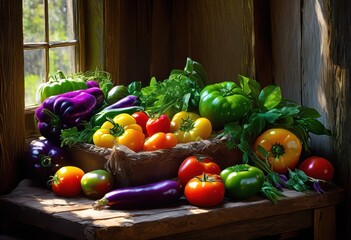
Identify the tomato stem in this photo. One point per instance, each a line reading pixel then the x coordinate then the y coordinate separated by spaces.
pixel 187 124
pixel 277 150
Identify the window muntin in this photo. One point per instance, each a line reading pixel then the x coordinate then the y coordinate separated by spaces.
pixel 51 43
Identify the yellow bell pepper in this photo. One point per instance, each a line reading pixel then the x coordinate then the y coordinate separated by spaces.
pixel 190 127
pixel 122 129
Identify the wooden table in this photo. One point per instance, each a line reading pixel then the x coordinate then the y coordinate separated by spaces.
pixel 75 218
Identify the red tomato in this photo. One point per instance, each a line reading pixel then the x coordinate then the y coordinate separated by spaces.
pixel 141 119
pixel 196 165
pixel 317 167
pixel 206 190
pixel 66 181
pixel 160 140
pixel 155 125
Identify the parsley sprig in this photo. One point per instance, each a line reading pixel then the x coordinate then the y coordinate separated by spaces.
pixel 179 92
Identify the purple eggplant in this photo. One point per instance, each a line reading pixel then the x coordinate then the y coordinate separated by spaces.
pixel 128 101
pixel 92 83
pixel 157 193
pixel 67 110
pixel 42 160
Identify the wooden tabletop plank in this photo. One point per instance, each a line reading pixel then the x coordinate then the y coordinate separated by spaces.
pixel 76 217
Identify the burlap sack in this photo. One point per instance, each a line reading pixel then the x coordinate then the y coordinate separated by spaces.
pixel 131 168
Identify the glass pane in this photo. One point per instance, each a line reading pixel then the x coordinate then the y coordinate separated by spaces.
pixel 62 58
pixel 34 74
pixel 33 21
pixel 61 20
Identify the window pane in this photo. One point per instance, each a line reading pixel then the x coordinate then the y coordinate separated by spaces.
pixel 61 24
pixel 34 73
pixel 62 58
pixel 33 21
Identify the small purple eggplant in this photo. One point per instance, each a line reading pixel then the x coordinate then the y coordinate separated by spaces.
pixel 92 83
pixel 42 160
pixel 157 193
pixel 128 101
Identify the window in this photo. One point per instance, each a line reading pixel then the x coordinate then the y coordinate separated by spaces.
pixel 51 42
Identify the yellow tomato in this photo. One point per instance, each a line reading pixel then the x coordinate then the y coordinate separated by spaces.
pixel 189 127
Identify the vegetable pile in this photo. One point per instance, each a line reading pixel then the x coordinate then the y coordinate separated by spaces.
pixel 271 132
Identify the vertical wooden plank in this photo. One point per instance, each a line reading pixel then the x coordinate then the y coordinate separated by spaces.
pixel 128 40
pixel 221 37
pixel 317 73
pixel 93 29
pixel 181 35
pixel 263 42
pixel 286 42
pixel 162 53
pixel 111 40
pixel 324 223
pixel 338 93
pixel 11 94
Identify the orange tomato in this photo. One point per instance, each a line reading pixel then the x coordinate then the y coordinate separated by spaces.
pixel 160 140
pixel 282 149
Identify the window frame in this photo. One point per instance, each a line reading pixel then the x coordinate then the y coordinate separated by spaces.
pixel 79 44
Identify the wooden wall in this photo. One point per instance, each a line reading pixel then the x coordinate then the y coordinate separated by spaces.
pixel 149 38
pixel 12 128
pixel 311 62
pixel 300 45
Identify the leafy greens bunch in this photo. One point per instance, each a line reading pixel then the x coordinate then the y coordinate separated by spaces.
pixel 271 110
pixel 179 92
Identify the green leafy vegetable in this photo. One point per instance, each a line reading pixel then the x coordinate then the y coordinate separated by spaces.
pixel 180 92
pixel 72 136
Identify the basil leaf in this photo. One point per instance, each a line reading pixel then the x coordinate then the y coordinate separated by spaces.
pixel 269 97
pixel 314 126
pixel 306 112
pixel 250 86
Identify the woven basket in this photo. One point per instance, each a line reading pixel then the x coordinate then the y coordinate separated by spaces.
pixel 130 168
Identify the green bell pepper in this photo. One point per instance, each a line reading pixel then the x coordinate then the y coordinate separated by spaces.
pixel 242 181
pixel 58 84
pixel 223 103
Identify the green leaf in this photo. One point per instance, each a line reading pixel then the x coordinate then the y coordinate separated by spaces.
pixel 250 86
pixel 306 112
pixel 273 115
pixel 314 126
pixel 269 97
pixel 189 67
pixel 263 151
pixel 271 193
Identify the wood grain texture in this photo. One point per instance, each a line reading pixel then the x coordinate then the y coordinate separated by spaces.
pixel 312 64
pixel 11 94
pixel 322 229
pixel 76 218
pixel 286 50
pixel 221 37
pixel 93 30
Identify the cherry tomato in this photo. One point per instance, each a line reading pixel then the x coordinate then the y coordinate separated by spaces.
pixel 283 148
pixel 66 181
pixel 141 119
pixel 160 140
pixel 160 124
pixel 196 165
pixel 206 190
pixel 317 167
pixel 96 183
